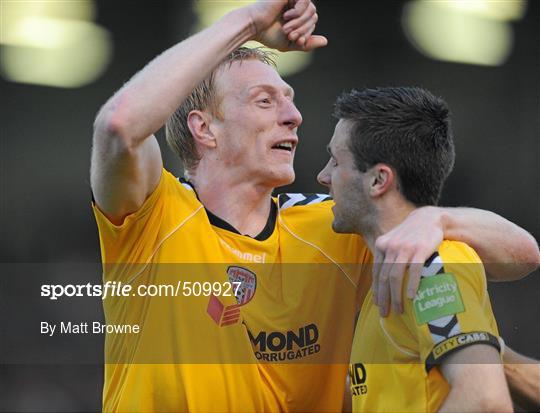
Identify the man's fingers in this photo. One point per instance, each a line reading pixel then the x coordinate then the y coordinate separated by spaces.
pixel 302 40
pixel 383 295
pixel 396 283
pixel 377 261
pixel 415 272
pixel 300 27
pixel 296 9
pixel 303 33
pixel 381 242
pixel 297 23
pixel 314 42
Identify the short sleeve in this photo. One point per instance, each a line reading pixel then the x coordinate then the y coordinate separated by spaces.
pixel 137 237
pixel 451 309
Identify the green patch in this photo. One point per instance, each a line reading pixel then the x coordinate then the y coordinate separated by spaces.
pixel 438 296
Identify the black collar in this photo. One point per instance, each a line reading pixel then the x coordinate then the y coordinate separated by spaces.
pixel 220 223
pixel 263 235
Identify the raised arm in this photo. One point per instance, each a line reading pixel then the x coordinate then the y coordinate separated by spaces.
pixel 126 160
pixel 507 251
pixel 477 382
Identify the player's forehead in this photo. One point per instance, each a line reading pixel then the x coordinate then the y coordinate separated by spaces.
pixel 244 77
pixel 339 143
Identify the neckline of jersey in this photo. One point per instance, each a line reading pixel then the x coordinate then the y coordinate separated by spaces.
pixel 216 221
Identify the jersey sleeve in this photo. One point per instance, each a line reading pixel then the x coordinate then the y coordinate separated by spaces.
pixel 451 309
pixel 135 240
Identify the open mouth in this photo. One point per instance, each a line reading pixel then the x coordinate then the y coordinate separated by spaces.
pixel 285 146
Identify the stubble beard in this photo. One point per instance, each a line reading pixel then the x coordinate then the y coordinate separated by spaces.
pixel 343 222
pixel 358 218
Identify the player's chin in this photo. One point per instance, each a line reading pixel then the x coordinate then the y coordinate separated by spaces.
pixel 336 226
pixel 283 175
pixel 340 225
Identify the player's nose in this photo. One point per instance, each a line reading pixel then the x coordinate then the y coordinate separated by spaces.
pixel 324 176
pixel 290 116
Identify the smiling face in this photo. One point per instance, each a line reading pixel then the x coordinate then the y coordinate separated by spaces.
pixel 348 186
pixel 256 132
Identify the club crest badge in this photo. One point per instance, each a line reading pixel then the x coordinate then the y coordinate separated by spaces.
pixel 247 280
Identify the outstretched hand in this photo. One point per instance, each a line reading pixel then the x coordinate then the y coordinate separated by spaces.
pixel 286 25
pixel 406 247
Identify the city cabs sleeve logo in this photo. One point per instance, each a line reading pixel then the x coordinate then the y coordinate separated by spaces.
pixel 438 296
pixel 227 315
pixel 457 342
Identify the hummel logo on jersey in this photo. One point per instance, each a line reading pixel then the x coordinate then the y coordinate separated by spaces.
pixel 245 256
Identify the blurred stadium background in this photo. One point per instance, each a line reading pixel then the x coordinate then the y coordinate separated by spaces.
pixel 60 60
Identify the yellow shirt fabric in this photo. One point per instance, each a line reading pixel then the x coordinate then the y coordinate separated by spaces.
pixel 282 344
pixel 393 360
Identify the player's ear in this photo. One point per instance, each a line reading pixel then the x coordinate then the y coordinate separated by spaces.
pixel 382 178
pixel 199 125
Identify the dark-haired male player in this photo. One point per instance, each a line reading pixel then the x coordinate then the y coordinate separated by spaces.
pixel 283 342
pixel 391 152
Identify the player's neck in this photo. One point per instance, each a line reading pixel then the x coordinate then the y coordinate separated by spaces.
pixel 243 205
pixel 389 215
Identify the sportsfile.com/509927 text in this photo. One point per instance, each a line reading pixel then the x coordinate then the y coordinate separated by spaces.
pixel 119 289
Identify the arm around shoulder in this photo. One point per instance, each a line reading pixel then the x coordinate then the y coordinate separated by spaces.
pixel 507 251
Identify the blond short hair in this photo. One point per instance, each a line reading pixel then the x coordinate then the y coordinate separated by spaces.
pixel 203 97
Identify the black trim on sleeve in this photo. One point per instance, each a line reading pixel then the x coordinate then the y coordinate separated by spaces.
pixel 457 342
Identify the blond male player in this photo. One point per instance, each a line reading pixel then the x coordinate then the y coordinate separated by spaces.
pixel 283 344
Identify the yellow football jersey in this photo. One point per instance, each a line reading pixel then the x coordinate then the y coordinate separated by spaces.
pixel 394 359
pixel 278 340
